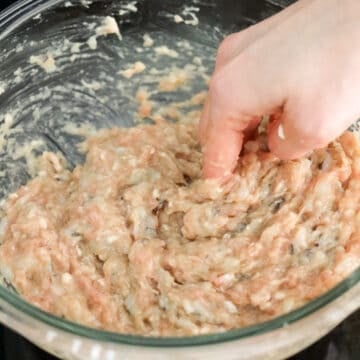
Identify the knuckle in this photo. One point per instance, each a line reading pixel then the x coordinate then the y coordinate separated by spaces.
pixel 231 76
pixel 215 81
pixel 228 42
pixel 226 48
pixel 217 85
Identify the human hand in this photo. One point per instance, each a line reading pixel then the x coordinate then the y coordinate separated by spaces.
pixel 303 64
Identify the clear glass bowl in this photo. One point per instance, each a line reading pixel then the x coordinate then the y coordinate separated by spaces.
pixel 52 76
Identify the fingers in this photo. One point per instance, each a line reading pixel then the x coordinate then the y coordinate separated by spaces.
pixel 303 127
pixel 237 101
pixel 223 146
pixel 217 130
pixel 221 152
pixel 224 143
pixel 316 96
pixel 205 122
pixel 288 141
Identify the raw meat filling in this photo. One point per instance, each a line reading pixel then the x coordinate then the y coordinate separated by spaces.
pixel 134 240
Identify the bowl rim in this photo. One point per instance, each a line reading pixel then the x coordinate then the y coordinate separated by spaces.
pixel 10 19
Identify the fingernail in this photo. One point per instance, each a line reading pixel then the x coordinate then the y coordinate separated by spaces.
pixel 281 133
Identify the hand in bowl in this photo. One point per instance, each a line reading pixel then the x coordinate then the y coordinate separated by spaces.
pixel 302 66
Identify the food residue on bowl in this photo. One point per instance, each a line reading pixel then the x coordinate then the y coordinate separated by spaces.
pixel 46 62
pixel 107 27
pixel 134 69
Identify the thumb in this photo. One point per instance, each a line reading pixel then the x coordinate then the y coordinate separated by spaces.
pixel 301 129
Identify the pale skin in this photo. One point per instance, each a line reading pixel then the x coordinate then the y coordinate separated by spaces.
pixel 301 67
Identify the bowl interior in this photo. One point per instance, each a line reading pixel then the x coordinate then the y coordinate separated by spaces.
pixel 62 77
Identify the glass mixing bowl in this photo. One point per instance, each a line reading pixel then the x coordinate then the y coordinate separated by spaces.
pixel 61 66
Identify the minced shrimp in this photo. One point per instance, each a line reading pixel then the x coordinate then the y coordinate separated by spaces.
pixel 134 241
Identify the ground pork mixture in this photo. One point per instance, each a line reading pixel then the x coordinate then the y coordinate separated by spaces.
pixel 134 241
